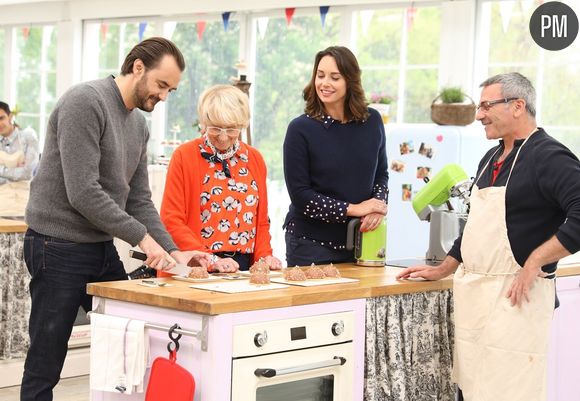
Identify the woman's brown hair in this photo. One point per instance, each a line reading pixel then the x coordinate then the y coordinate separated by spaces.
pixel 355 104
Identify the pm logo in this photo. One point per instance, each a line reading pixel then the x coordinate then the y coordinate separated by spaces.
pixel 554 26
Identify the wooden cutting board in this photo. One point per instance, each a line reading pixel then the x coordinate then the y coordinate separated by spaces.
pixel 234 287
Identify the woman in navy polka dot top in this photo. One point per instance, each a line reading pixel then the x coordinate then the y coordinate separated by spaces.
pixel 335 163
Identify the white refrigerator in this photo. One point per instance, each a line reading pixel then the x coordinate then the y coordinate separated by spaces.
pixel 415 151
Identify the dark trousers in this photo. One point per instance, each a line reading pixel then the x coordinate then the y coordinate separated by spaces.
pixel 60 271
pixel 304 252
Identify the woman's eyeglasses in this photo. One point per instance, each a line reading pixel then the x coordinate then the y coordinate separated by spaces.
pixel 487 105
pixel 231 132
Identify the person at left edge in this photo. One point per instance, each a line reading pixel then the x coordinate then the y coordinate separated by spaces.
pixel 91 186
pixel 18 148
pixel 18 160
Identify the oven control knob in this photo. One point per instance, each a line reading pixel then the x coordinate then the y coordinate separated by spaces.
pixel 260 339
pixel 337 328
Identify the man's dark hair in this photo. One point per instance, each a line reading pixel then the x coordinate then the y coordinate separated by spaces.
pixel 5 107
pixel 150 52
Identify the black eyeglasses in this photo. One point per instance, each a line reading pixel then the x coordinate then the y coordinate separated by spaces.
pixel 488 104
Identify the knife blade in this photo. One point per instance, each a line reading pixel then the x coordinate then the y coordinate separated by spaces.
pixel 179 269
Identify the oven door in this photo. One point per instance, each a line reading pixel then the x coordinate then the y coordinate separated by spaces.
pixel 324 373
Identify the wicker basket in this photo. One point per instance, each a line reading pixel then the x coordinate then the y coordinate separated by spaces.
pixel 452 113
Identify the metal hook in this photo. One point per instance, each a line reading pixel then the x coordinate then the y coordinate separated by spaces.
pixel 173 346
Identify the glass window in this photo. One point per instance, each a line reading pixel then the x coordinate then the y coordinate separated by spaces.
pixel 209 61
pixel 513 49
pixel 115 41
pixel 35 75
pixel 399 54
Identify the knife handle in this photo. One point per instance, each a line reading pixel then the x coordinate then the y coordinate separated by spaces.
pixel 137 255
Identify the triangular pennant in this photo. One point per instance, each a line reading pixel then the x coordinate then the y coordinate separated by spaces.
pixel 365 20
pixel 169 28
pixel 226 20
pixel 323 12
pixel 142 27
pixel 25 32
pixel 506 9
pixel 262 26
pixel 411 13
pixel 104 29
pixel 200 29
pixel 526 5
pixel 289 15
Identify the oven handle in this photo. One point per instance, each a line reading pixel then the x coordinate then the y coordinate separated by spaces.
pixel 269 372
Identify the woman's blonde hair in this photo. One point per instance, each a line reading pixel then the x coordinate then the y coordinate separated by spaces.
pixel 223 106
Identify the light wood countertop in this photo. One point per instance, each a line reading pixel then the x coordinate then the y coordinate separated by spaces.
pixel 373 282
pixel 12 226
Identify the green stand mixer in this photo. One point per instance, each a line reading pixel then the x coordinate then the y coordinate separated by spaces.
pixel 435 203
pixel 432 204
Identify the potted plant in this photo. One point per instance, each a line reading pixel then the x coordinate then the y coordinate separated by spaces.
pixel 381 102
pixel 452 108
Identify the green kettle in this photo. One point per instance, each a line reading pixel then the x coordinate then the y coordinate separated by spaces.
pixel 369 247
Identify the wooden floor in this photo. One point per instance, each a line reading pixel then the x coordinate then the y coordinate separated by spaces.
pixel 72 389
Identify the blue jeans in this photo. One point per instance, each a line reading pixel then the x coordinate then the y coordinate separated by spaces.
pixel 60 271
pixel 303 252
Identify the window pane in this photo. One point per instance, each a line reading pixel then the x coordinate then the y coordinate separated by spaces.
pixel 25 121
pixel 379 44
pixel 420 90
pixel 28 92
pixel 209 61
pixel 424 36
pixel 515 44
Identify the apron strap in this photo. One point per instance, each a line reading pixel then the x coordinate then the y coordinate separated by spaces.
pixel 517 154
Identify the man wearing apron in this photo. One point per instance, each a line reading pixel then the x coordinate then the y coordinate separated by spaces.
pixel 524 216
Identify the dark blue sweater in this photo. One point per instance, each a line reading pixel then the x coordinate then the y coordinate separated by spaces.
pixel 328 165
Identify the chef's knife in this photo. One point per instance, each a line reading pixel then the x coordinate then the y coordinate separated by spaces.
pixel 179 269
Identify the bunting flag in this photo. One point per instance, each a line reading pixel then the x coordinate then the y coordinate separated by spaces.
pixel 25 32
pixel 526 5
pixel 142 27
pixel 262 26
pixel 411 13
pixel 323 12
pixel 169 28
pixel 104 29
pixel 506 9
pixel 365 20
pixel 289 15
pixel 226 20
pixel 200 29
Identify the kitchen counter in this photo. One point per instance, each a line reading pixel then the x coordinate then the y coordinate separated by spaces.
pixel 12 226
pixel 373 282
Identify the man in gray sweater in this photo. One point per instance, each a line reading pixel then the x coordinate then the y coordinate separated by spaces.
pixel 91 186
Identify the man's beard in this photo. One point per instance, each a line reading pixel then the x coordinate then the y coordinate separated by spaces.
pixel 141 98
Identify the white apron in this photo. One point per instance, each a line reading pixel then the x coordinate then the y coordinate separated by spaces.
pixel 500 350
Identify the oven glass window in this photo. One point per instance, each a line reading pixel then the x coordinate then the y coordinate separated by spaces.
pixel 313 389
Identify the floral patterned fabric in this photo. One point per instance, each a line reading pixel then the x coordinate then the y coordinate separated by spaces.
pixel 229 206
pixel 409 347
pixel 15 298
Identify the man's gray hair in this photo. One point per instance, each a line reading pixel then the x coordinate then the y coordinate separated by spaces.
pixel 514 84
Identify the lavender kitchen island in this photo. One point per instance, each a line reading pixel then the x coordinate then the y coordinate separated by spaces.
pixel 375 339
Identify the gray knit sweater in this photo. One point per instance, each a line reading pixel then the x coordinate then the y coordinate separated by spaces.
pixel 92 182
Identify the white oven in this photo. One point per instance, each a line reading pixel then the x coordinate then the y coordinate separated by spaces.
pixel 305 359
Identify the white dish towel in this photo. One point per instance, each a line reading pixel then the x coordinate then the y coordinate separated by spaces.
pixel 119 354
